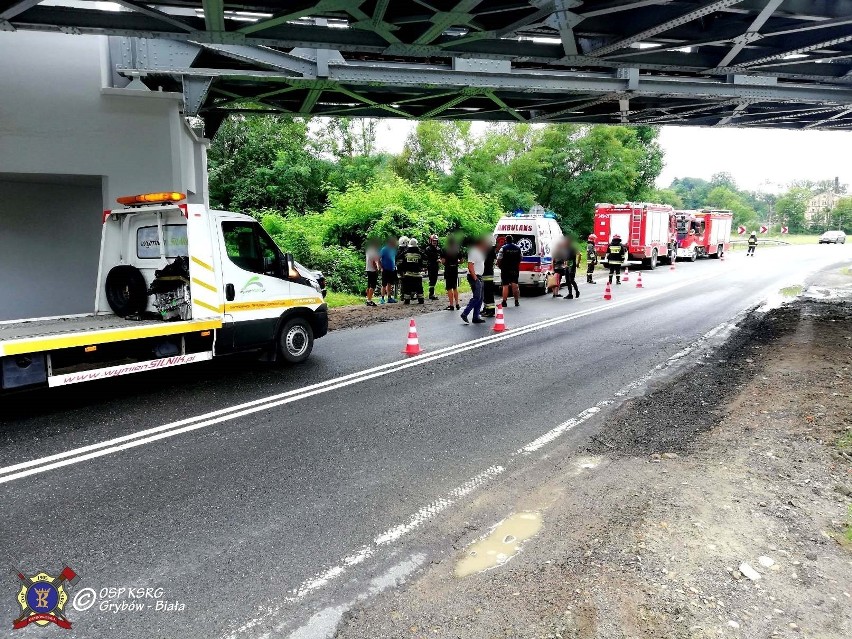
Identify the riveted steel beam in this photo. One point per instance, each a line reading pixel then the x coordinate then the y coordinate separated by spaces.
pixel 17 8
pixel 214 15
pixel 702 11
pixel 195 90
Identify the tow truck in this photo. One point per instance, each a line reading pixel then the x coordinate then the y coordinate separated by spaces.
pixel 647 230
pixel 177 284
pixel 705 233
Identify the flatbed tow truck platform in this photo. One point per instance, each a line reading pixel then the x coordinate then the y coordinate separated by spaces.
pixel 39 335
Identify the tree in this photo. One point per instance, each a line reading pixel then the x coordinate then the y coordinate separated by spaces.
pixel 841 215
pixel 665 196
pixel 266 161
pixel 431 149
pixel 792 206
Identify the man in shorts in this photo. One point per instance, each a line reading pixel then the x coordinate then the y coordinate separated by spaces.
pixel 373 267
pixel 509 261
pixel 387 259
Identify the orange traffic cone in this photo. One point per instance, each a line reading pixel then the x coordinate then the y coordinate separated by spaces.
pixel 626 277
pixel 412 347
pixel 499 322
pixel 608 291
pixel 639 281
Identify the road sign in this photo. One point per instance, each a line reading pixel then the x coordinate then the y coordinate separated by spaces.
pixel 741 230
pixel 764 228
pixel 785 229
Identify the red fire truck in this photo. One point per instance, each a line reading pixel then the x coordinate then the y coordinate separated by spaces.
pixel 704 233
pixel 648 230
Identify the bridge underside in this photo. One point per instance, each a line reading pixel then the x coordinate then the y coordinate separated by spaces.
pixel 745 63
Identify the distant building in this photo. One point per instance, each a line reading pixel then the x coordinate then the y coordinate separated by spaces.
pixel 820 203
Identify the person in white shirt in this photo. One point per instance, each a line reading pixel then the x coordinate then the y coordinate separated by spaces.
pixel 373 268
pixel 475 268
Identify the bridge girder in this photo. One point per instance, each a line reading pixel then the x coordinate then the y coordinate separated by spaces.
pixel 718 62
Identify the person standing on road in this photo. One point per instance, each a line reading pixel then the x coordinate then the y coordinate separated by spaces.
pixel 403 246
pixel 572 263
pixel 615 256
pixel 387 260
pixel 451 257
pixel 488 279
pixel 560 254
pixel 591 259
pixel 509 261
pixel 411 267
pixel 752 244
pixel 432 253
pixel 373 268
pixel 475 269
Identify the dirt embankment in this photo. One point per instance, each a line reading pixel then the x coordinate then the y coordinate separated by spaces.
pixel 716 506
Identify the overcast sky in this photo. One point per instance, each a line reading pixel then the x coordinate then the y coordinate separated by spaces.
pixel 759 159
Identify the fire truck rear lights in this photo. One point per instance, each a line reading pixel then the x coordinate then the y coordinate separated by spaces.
pixel 152 198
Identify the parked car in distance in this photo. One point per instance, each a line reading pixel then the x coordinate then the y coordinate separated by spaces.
pixel 833 237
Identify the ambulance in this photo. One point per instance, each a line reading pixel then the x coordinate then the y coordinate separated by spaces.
pixel 537 234
pixel 177 284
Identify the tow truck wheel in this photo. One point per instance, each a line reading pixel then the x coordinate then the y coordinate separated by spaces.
pixel 126 291
pixel 296 340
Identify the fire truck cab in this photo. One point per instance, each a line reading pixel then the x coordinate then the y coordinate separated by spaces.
pixel 705 233
pixel 647 230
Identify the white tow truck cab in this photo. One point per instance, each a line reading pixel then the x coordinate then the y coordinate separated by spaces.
pixel 177 284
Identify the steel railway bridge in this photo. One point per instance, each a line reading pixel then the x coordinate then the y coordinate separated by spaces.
pixel 738 63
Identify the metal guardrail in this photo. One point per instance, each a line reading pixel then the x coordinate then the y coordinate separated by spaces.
pixel 763 241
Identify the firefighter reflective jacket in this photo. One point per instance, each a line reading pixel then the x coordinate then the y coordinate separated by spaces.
pixel 488 268
pixel 752 240
pixel 615 252
pixel 591 255
pixel 412 263
pixel 433 255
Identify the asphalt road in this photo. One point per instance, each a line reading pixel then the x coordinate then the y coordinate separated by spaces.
pixel 271 518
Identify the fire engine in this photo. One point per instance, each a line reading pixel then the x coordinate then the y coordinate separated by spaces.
pixel 647 230
pixel 705 233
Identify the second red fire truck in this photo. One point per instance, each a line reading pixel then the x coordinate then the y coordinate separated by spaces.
pixel 705 233
pixel 647 230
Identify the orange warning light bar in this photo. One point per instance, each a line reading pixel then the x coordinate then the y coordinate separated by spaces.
pixel 151 198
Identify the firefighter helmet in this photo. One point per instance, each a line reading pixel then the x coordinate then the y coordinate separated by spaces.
pixel 412 243
pixel 591 238
pixel 403 241
pixel 616 237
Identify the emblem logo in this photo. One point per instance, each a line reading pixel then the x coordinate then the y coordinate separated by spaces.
pixel 42 598
pixel 253 285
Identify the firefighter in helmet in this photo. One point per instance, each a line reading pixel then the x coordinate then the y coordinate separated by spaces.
pixel 411 266
pixel 616 255
pixel 591 259
pixel 752 244
pixel 490 309
pixel 432 253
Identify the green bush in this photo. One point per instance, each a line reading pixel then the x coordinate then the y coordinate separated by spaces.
pixel 333 241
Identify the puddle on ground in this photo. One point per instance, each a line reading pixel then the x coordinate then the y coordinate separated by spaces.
pixel 501 544
pixel 791 291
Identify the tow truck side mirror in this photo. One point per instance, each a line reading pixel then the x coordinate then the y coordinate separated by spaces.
pixel 290 267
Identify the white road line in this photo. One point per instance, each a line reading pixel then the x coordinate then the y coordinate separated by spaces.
pixel 93 451
pixel 388 537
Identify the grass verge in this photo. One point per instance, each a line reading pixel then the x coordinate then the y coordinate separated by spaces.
pixel 335 299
